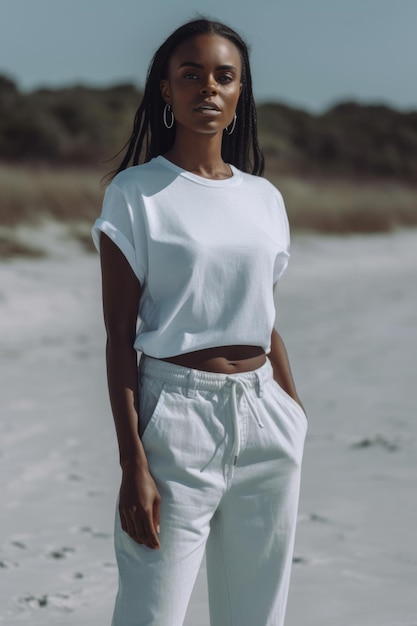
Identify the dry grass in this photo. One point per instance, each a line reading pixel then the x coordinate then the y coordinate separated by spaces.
pixel 342 207
pixel 73 197
pixel 11 247
pixel 28 195
pixel 31 196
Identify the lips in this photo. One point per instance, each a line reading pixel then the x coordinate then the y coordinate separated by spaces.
pixel 207 106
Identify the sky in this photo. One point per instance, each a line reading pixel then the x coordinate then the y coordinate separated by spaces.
pixel 307 53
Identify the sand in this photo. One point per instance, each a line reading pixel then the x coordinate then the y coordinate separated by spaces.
pixel 347 311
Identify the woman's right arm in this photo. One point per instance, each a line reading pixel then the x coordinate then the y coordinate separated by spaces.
pixel 139 500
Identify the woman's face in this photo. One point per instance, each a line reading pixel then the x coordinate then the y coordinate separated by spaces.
pixel 203 84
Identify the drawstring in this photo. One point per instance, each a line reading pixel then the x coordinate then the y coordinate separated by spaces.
pixel 235 415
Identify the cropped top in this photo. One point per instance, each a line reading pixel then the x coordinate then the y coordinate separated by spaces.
pixel 206 252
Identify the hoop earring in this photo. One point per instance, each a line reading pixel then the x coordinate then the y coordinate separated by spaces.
pixel 167 109
pixel 229 132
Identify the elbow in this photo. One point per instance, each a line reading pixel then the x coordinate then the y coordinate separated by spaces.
pixel 119 334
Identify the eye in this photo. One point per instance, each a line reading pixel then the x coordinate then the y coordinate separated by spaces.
pixel 225 78
pixel 190 76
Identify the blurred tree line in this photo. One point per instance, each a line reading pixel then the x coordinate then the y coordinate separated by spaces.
pixel 84 126
pixel 70 126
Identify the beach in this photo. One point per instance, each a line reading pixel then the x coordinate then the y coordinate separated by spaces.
pixel 347 312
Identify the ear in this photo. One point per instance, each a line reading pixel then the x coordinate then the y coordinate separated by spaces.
pixel 165 91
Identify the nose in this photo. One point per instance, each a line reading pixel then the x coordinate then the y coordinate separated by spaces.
pixel 210 86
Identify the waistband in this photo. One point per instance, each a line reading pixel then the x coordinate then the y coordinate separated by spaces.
pixel 192 380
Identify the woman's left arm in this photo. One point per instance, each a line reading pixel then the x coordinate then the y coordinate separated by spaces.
pixel 281 366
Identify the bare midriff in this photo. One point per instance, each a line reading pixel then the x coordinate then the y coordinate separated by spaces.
pixel 222 360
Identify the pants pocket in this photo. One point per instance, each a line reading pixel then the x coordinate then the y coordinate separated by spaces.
pixel 289 400
pixel 151 400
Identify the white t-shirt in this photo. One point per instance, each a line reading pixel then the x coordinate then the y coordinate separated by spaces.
pixel 206 252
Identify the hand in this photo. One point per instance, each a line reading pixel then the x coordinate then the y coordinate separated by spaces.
pixel 139 506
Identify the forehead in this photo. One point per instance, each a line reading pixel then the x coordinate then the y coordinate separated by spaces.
pixel 207 49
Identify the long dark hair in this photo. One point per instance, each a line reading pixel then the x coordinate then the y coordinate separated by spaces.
pixel 151 138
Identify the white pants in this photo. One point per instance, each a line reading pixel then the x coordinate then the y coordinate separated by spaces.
pixel 225 452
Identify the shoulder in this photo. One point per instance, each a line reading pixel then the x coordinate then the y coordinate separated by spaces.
pixel 124 193
pixel 262 186
pixel 136 177
pixel 258 181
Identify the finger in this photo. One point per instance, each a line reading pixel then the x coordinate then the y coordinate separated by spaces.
pixel 147 541
pixel 137 530
pixel 157 515
pixel 131 527
pixel 150 536
pixel 140 536
pixel 123 522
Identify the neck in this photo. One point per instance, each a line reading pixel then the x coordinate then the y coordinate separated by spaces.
pixel 199 154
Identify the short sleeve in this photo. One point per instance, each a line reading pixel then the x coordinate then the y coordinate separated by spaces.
pixel 122 225
pixel 283 256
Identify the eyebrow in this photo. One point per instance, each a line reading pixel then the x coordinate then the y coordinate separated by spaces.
pixel 201 67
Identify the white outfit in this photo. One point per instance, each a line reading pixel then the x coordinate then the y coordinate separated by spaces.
pixel 225 450
pixel 205 251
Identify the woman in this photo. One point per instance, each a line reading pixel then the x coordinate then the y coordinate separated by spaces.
pixel 211 432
